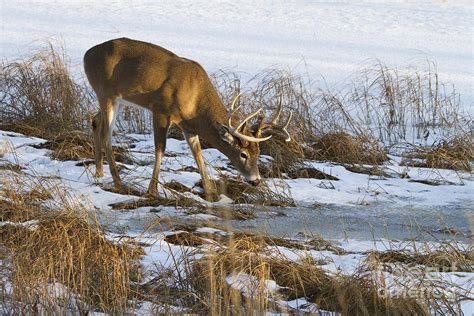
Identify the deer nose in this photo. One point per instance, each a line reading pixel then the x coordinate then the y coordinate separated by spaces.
pixel 256 182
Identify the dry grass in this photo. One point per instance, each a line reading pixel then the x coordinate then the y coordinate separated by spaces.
pixel 254 259
pixel 350 295
pixel 12 212
pixel 39 90
pixel 185 239
pixel 287 156
pixel 456 153
pixel 243 193
pixel 58 258
pixel 176 201
pixel 447 257
pixel 73 257
pixel 8 166
pixel 395 105
pixel 21 198
pixel 24 129
pixel 73 252
pixel 309 172
pixel 78 145
pixel 261 240
pixel 345 148
pixel 371 171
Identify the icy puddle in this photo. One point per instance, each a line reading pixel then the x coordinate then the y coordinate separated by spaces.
pixel 382 221
pixel 367 222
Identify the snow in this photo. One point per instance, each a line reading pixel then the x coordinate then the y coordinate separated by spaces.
pixel 249 284
pixel 354 188
pixel 324 39
pixel 350 189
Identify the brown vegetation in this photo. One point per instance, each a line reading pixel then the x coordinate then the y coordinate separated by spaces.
pixel 456 153
pixel 451 258
pixel 77 145
pixel 40 97
pixel 344 148
pixel 61 256
pixel 350 295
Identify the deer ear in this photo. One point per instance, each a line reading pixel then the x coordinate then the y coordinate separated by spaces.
pixel 225 135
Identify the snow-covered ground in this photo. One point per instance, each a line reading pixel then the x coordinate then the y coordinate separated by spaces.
pixel 325 39
pixel 359 200
pixel 354 193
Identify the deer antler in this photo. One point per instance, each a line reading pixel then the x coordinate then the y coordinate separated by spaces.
pixel 235 131
pixel 281 128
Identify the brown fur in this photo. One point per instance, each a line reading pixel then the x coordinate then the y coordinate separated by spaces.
pixel 177 90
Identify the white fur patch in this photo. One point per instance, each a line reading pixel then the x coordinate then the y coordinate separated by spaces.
pixel 117 108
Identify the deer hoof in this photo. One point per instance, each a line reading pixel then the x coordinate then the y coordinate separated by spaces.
pixel 211 196
pixel 152 193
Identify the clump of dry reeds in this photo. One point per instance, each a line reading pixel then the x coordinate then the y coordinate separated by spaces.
pixel 40 93
pixel 287 156
pixel 73 252
pixel 59 258
pixel 24 129
pixel 444 257
pixel 71 145
pixel 78 145
pixel 456 153
pixel 345 148
pixel 354 295
pixel 244 193
pixel 176 201
pixel 397 105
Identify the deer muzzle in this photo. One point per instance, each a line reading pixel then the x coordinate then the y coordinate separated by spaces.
pixel 255 182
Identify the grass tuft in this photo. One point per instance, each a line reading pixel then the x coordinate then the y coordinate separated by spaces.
pixel 351 295
pixel 78 145
pixel 456 153
pixel 58 256
pixel 344 148
pixel 40 90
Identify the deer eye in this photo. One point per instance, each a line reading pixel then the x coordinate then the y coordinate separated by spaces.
pixel 243 156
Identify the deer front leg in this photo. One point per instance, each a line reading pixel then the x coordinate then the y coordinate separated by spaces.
pixel 209 187
pixel 161 123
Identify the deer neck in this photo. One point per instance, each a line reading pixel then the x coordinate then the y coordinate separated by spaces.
pixel 211 115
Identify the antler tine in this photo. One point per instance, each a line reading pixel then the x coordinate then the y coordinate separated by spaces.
pixel 235 131
pixel 278 112
pixel 283 128
pixel 248 118
pixel 288 120
pixel 249 138
pixel 232 110
pixel 235 100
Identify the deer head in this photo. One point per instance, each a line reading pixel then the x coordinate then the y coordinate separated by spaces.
pixel 243 141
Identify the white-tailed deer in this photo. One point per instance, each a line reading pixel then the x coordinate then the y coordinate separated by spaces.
pixel 176 90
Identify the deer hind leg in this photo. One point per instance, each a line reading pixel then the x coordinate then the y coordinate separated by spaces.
pixel 99 157
pixel 108 114
pixel 161 123
pixel 209 187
